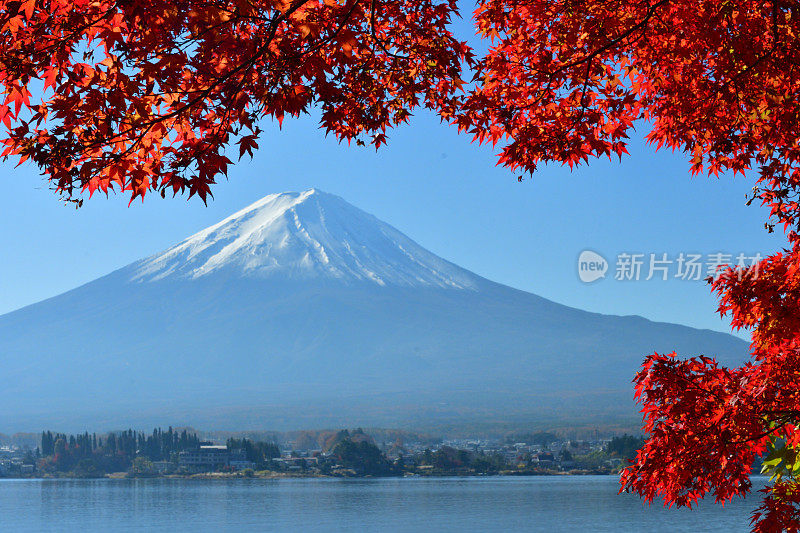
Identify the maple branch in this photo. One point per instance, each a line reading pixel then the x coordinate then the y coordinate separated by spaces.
pixel 143 128
pixel 333 35
pixel 81 29
pixel 588 59
pixel 263 49
pixel 377 39
pixel 641 25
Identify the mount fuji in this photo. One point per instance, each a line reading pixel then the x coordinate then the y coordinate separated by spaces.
pixel 305 236
pixel 303 311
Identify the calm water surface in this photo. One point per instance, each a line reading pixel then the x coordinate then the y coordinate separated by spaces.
pixel 550 504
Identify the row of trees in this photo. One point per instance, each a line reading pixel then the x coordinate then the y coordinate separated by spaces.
pixel 158 446
pixel 89 454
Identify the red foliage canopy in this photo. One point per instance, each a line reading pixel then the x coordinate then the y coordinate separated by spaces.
pixel 707 424
pixel 566 80
pixel 145 96
pixel 719 80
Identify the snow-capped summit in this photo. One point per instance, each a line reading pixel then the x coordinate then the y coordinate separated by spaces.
pixel 311 234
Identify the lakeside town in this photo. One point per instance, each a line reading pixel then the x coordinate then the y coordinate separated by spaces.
pixel 344 453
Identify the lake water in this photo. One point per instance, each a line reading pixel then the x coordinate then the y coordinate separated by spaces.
pixel 579 503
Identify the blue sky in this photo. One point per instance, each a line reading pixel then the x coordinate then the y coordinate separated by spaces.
pixel 441 190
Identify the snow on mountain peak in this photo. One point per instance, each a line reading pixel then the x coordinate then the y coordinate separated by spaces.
pixel 306 235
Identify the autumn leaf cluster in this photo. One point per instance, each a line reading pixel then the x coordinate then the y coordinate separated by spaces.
pixel 145 96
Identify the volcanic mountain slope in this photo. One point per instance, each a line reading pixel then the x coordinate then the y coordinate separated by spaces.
pixel 301 311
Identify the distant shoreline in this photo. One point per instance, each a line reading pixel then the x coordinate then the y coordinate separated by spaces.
pixel 182 454
pixel 295 475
